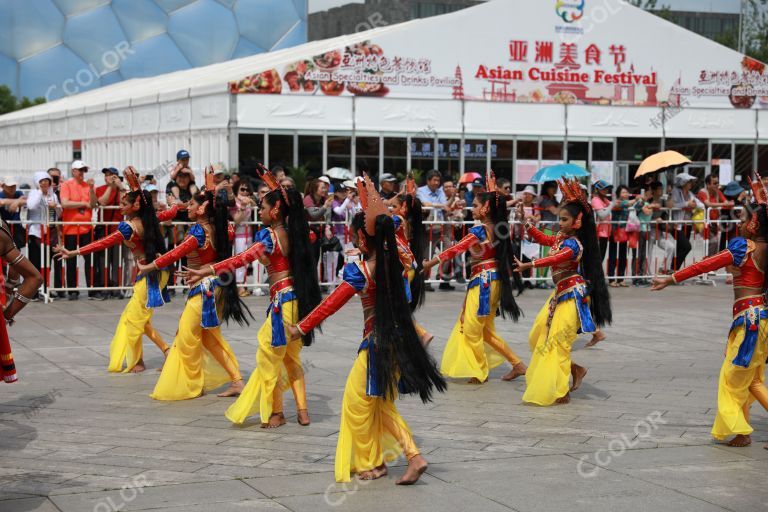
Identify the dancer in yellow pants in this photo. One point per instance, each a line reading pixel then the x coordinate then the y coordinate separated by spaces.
pixel 201 359
pixel 574 307
pixel 743 371
pixel 474 347
pixel 282 246
pixel 411 240
pixel 141 234
pixel 372 432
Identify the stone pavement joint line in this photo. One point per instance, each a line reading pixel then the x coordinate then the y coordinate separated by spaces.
pixel 634 438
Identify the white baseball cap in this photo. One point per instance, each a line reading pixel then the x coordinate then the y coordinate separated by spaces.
pixel 10 181
pixel 79 164
pixel 325 180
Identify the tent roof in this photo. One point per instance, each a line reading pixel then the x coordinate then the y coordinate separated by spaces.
pixel 210 79
pixel 439 37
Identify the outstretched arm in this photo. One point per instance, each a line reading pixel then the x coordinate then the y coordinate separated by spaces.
pixel 19 265
pixel 539 237
pixel 330 305
pixel 168 214
pixel 464 245
pixel 245 258
pixel 716 262
pixel 111 240
pixel 188 245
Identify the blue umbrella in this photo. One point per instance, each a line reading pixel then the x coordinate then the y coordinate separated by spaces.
pixel 555 172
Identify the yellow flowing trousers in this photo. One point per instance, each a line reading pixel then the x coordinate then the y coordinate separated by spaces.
pixel 474 347
pixel 199 360
pixel 136 320
pixel 372 432
pixel 739 386
pixel 277 368
pixel 547 378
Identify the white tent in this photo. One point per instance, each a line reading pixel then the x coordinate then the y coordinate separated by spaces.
pixel 505 68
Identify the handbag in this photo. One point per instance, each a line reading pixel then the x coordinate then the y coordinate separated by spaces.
pixel 633 222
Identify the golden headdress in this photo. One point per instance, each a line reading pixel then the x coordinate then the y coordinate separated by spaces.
pixel 371 203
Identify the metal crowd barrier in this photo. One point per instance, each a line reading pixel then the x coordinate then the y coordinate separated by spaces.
pixel 113 270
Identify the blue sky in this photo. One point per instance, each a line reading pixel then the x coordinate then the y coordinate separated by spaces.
pixel 688 5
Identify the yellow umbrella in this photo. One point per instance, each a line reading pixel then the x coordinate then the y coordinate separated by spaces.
pixel 661 162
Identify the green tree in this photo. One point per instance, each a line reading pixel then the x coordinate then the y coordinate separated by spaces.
pixel 9 102
pixel 754 35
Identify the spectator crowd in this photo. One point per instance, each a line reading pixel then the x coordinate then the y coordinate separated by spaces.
pixel 642 232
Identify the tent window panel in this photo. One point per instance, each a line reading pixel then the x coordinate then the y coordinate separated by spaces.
pixel 251 152
pixel 281 150
pixel 395 155
pixel 367 155
pixel 311 153
pixel 340 152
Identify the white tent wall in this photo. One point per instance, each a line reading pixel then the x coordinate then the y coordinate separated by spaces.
pixel 146 135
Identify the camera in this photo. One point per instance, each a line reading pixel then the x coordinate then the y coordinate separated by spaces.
pixel 149 177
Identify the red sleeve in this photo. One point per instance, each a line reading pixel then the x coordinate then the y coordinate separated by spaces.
pixel 113 239
pixel 231 231
pixel 330 305
pixel 404 253
pixel 188 245
pixel 718 261
pixel 703 195
pixel 540 238
pixel 464 245
pixel 243 259
pixel 168 214
pixel 563 256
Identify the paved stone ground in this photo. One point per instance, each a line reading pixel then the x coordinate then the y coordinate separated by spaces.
pixel 73 438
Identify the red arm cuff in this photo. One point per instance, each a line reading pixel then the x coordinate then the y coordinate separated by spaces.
pixel 115 238
pixel 563 256
pixel 243 259
pixel 718 261
pixel 464 245
pixel 330 305
pixel 168 214
pixel 540 238
pixel 188 245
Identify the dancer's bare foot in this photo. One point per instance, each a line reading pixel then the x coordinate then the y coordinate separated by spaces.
pixel 426 339
pixel 740 441
pixel 367 475
pixel 234 389
pixel 517 371
pixel 417 465
pixel 564 400
pixel 139 367
pixel 165 358
pixel 302 416
pixel 475 380
pixel 578 373
pixel 380 471
pixel 276 420
pixel 597 337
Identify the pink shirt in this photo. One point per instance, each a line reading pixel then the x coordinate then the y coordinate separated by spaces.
pixel 603 228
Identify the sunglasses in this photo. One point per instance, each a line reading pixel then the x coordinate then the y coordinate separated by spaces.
pixel 244 190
